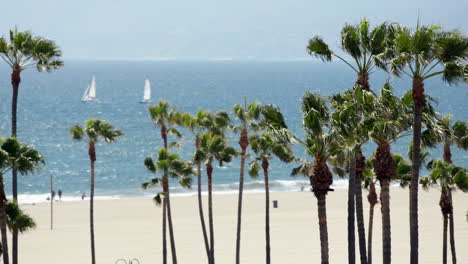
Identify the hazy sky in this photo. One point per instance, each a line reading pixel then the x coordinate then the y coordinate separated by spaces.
pixel 209 29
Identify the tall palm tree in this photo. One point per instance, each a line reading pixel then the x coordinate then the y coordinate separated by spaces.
pixel 197 124
pixel 23 51
pixel 266 146
pixel 456 134
pixel 369 51
pixel 212 148
pixel 348 120
pixel 248 117
pixel 420 54
pixel 93 131
pixel 25 159
pixel 171 165
pixel 166 117
pixel 448 177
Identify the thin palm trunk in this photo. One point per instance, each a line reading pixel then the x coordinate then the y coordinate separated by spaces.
pixel 168 202
pixel 265 166
pixel 169 220
pixel 351 196
pixel 444 243
pixel 419 99
pixel 200 210
pixel 3 225
pixel 322 215
pixel 243 142
pixel 164 231
pixel 386 227
pixel 448 158
pixel 360 164
pixel 15 82
pixel 372 198
pixel 209 171
pixel 92 156
pixel 200 204
pixel 452 231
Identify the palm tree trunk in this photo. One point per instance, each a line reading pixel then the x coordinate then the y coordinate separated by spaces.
pixel 363 80
pixel 448 158
pixel 322 215
pixel 15 82
pixel 92 157
pixel 209 171
pixel 200 211
pixel 169 220
pixel 444 241
pixel 360 165
pixel 265 166
pixel 419 100
pixel 3 225
pixel 200 203
pixel 372 198
pixel 386 228
pixel 243 142
pixel 351 230
pixel 452 231
pixel 168 202
pixel 164 231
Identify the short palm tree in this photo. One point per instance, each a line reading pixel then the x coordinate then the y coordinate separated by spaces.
pixel 448 177
pixel 93 131
pixel 248 116
pixel 455 134
pixel 25 159
pixel 203 121
pixel 166 117
pixel 212 148
pixel 321 143
pixel 420 54
pixel 17 219
pixel 369 181
pixel 266 146
pixel 23 51
pixel 171 165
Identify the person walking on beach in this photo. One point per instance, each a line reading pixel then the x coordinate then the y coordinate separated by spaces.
pixel 60 195
pixel 83 196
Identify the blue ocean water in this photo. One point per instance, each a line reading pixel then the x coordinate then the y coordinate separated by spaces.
pixel 49 104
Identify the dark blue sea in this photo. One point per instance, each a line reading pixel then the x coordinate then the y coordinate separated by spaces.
pixel 49 104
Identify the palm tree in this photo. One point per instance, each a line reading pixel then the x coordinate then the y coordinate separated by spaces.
pixel 212 148
pixel 368 49
pixel 23 51
pixel 420 54
pixel 348 120
pixel 17 219
pixel 449 177
pixel 197 124
pixel 265 147
pixel 165 116
pixel 171 165
pixel 456 134
pixel 25 159
pixel 248 116
pixel 321 143
pixel 91 133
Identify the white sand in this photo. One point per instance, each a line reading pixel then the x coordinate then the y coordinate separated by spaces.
pixel 131 228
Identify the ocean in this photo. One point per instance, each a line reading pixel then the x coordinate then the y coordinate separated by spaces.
pixel 49 104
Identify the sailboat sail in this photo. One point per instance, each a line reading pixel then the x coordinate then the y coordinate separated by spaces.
pixel 90 92
pixel 92 89
pixel 147 92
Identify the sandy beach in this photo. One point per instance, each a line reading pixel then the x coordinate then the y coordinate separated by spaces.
pixel 131 228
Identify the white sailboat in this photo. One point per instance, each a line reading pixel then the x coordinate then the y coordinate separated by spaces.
pixel 90 92
pixel 146 92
